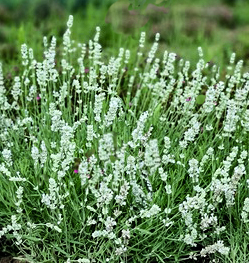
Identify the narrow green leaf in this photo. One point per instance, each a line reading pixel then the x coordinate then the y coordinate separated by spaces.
pixel 143 231
pixel 61 250
pixel 32 238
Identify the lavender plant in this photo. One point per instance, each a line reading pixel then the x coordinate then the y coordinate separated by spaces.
pixel 123 161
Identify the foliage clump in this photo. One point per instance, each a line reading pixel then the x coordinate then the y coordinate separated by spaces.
pixel 138 159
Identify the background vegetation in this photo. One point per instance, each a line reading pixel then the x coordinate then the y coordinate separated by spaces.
pixel 220 27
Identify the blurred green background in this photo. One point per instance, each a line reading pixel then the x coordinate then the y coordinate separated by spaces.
pixel 219 26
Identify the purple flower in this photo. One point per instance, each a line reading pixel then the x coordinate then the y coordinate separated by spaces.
pixel 86 70
pixel 188 99
pixel 76 171
pixel 38 98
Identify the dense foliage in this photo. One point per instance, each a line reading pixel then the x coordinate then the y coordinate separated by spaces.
pixel 134 158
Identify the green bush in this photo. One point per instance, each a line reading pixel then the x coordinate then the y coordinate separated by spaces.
pixel 135 159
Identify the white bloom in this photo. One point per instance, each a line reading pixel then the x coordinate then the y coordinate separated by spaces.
pixel 138 132
pixel 99 98
pixel 111 114
pixel 142 39
pixel 216 247
pixel 24 51
pixel 154 210
pixel 200 52
pixel 194 170
pixel 110 223
pixel 35 155
pixel 106 147
pixel 90 135
pixel 16 90
pixel 168 189
pixel 7 157
pixel 151 156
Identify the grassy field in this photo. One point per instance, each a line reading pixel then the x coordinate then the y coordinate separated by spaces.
pixel 124 133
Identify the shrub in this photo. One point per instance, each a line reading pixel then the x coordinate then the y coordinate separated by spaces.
pixel 134 160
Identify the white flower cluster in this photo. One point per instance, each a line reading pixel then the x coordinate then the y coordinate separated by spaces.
pixel 120 199
pixel 57 123
pixel 137 134
pixel 53 200
pixel 197 202
pixel 231 117
pixel 111 114
pixel 151 156
pixel 210 100
pixel 142 39
pixel 194 170
pixel 99 98
pixel 17 178
pixel 209 154
pixel 16 90
pixel 52 226
pixel 245 212
pixel 197 206
pixel 6 153
pixel 163 174
pixel 153 50
pixel 39 156
pixel 239 171
pixel 19 195
pixel 106 147
pixel 154 210
pixel 139 195
pixel 4 105
pixel 66 37
pixel 104 195
pixel 15 227
pixel 190 134
pixel 227 185
pixel 167 157
pixel 216 247
pixel 245 120
pixel 90 135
